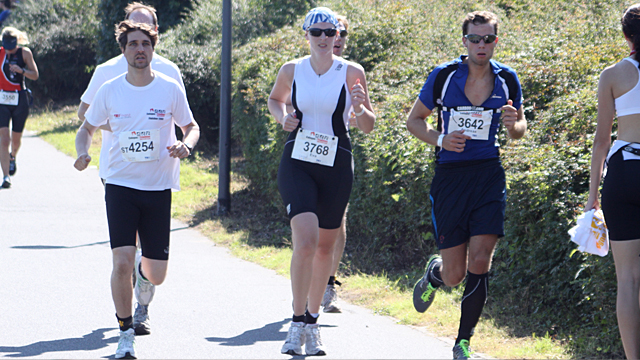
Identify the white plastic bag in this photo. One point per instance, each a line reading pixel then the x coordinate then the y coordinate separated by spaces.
pixel 591 233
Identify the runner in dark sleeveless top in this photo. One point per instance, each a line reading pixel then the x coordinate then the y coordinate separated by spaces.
pixel 17 65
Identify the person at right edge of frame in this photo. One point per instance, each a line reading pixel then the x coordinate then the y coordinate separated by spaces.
pixel 474 95
pixel 619 96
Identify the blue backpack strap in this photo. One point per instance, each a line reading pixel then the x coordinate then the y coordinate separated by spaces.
pixel 439 90
pixel 512 84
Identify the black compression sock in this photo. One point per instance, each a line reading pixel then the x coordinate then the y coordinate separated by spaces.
pixel 298 318
pixel 332 280
pixel 309 319
pixel 473 300
pixel 126 323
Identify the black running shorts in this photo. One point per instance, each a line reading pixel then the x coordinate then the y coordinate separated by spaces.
pixel 147 212
pixel 319 189
pixel 621 198
pixel 467 199
pixel 17 114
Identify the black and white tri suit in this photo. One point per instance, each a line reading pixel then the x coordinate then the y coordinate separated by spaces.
pixel 322 104
pixel 620 191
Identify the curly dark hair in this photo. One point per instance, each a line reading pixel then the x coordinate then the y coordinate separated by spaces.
pixel 127 26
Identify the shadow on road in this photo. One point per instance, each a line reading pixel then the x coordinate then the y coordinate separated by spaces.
pixel 93 341
pixel 269 332
pixel 50 247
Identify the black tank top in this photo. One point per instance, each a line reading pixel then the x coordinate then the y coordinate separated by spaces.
pixel 13 78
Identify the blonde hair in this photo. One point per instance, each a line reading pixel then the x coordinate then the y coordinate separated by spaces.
pixel 10 31
pixel 343 20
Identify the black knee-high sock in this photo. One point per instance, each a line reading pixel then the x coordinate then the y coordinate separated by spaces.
pixel 473 300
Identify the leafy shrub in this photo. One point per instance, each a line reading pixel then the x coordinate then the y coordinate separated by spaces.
pixel 195 46
pixel 62 38
pixel 111 12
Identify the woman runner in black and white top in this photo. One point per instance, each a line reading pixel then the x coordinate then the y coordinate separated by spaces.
pixel 316 170
pixel 619 95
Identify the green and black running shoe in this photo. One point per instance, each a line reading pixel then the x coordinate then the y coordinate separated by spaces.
pixel 423 291
pixel 461 350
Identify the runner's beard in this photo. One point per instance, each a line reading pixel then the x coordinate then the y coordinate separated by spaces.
pixel 139 65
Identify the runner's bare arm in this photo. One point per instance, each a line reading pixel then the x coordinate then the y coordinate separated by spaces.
pixel 513 120
pixel 190 138
pixel 278 98
pixel 357 82
pixel 83 142
pixel 82 110
pixel 30 71
pixel 602 139
pixel 420 128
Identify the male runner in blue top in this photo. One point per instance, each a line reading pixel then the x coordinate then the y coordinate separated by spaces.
pixel 468 191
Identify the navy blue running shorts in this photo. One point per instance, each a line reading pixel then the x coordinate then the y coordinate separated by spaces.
pixel 319 189
pixel 147 212
pixel 621 198
pixel 467 199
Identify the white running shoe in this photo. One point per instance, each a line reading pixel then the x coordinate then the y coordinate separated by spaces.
pixel 313 344
pixel 143 289
pixel 295 338
pixel 141 320
pixel 126 345
pixel 330 300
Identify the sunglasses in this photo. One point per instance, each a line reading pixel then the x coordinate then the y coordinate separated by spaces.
pixel 488 39
pixel 344 33
pixel 318 32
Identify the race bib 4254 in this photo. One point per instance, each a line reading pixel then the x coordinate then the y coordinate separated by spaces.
pixel 140 145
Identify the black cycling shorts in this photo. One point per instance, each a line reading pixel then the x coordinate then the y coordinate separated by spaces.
pixel 467 199
pixel 16 114
pixel 621 198
pixel 147 212
pixel 319 189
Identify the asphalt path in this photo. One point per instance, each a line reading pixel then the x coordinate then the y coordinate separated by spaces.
pixel 55 299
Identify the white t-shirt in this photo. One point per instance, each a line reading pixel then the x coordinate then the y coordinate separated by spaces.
pixel 114 68
pixel 160 105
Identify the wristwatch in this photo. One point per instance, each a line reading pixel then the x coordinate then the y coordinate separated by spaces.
pixel 188 147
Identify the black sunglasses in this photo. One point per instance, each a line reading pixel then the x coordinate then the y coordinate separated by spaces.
pixel 488 39
pixel 317 32
pixel 344 33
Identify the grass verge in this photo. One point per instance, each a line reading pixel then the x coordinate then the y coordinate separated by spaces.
pixel 257 231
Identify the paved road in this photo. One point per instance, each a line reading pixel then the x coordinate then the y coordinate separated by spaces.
pixel 55 300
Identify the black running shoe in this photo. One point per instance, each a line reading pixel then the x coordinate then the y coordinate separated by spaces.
pixel 423 291
pixel 6 183
pixel 12 165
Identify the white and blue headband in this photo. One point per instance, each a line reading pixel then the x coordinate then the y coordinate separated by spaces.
pixel 318 15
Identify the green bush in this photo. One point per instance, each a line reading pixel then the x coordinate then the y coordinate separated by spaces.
pixel 111 12
pixel 62 38
pixel 195 46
